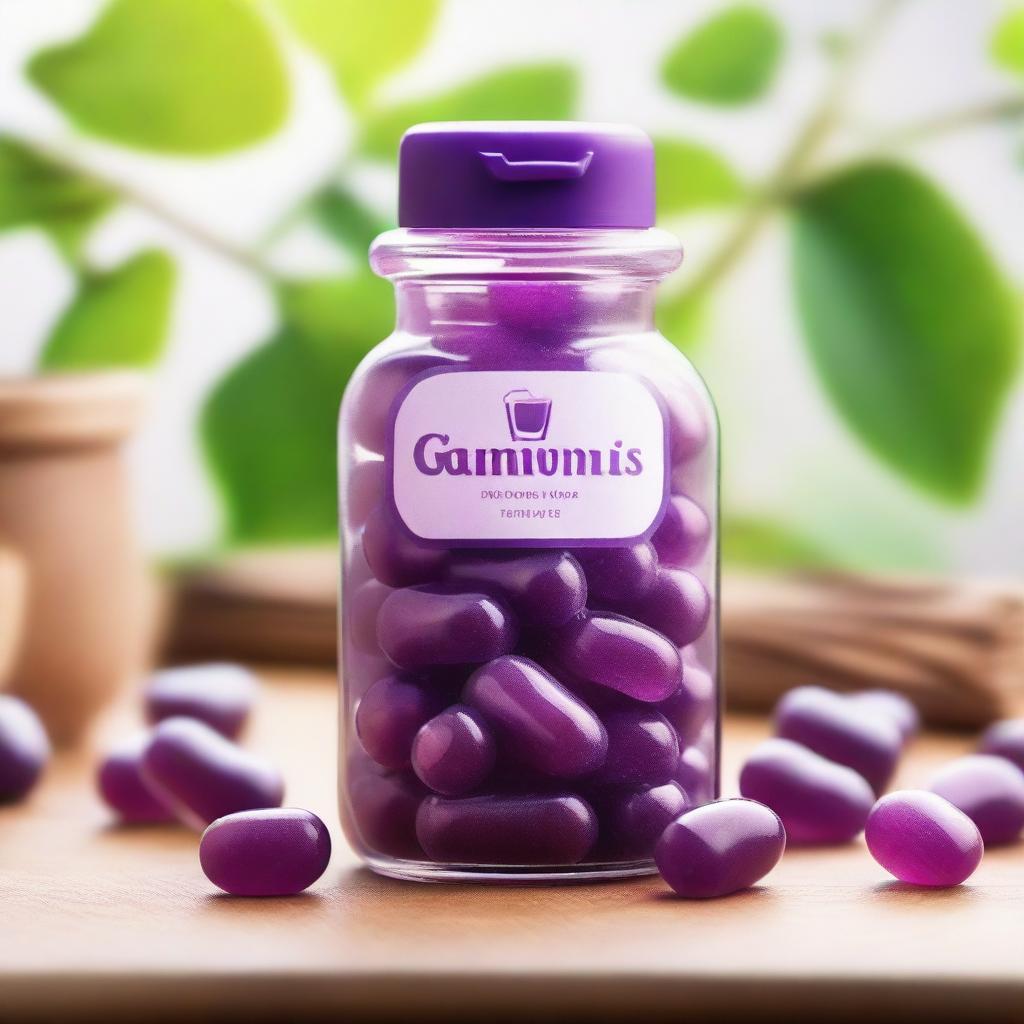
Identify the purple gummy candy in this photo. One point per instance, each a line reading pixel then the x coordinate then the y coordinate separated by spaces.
pixel 364 491
pixel 24 748
pixel 454 752
pixel 122 787
pixel 889 704
pixel 618 576
pixel 684 533
pixel 720 848
pixel 989 790
pixel 633 820
pixel 390 714
pixel 420 626
pixel 693 773
pixel 394 557
pixel 544 588
pixel 819 801
pixel 687 425
pixel 830 725
pixel 677 606
pixel 617 652
pixel 536 719
pixel 371 394
pixel 221 695
pixel 279 851
pixel 1005 739
pixel 922 839
pixel 643 749
pixel 507 831
pixel 362 608
pixel 381 809
pixel 362 670
pixel 693 703
pixel 202 776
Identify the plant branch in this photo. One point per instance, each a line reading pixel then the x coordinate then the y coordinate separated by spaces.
pixel 794 160
pixel 250 259
pixel 1001 108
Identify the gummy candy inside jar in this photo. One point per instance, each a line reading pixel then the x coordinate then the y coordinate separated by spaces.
pixel 528 488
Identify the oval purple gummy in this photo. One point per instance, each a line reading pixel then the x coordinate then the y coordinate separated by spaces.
pixel 394 557
pixel 361 610
pixel 921 838
pixel 683 535
pixel 617 576
pixel 687 425
pixel 507 831
pixel 122 787
pixel 537 719
pixel 693 773
pixel 544 589
pixel 643 748
pixel 364 490
pixel 989 790
pixel 381 809
pixel 819 801
pixel 633 820
pixel 720 848
pixel 1005 739
pixel 204 776
pixel 830 725
pixel 279 851
pixel 221 695
pixel 423 626
pixel 24 748
pixel 454 752
pixel 891 705
pixel 617 652
pixel 371 393
pixel 691 706
pixel 390 714
pixel 677 606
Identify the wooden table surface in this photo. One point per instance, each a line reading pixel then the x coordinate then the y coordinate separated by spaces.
pixel 101 921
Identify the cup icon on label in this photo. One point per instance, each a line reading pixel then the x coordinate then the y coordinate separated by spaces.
pixel 527 416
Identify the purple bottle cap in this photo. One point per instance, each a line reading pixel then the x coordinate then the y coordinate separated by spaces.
pixel 525 174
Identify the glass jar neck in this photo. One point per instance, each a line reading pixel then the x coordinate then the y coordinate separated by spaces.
pixel 540 284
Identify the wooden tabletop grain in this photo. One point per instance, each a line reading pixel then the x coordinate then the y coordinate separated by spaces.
pixel 113 923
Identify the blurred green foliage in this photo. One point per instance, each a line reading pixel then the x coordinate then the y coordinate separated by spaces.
pixel 908 321
pixel 173 76
pixel 119 317
pixel 729 59
pixel 911 327
pixel 1008 42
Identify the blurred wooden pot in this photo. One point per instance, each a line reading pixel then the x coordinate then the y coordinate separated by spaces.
pixel 12 603
pixel 65 509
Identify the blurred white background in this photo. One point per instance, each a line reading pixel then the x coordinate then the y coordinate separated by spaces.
pixel 786 452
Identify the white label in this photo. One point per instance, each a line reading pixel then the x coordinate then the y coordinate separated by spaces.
pixel 528 457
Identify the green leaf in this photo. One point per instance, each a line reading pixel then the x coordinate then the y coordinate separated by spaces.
pixel 269 427
pixel 691 176
pixel 729 59
pixel 536 92
pixel 909 323
pixel 362 42
pixel 682 319
pixel 346 219
pixel 341 318
pixel 174 76
pixel 1008 41
pixel 38 191
pixel 118 319
pixel 268 431
pixel 763 544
